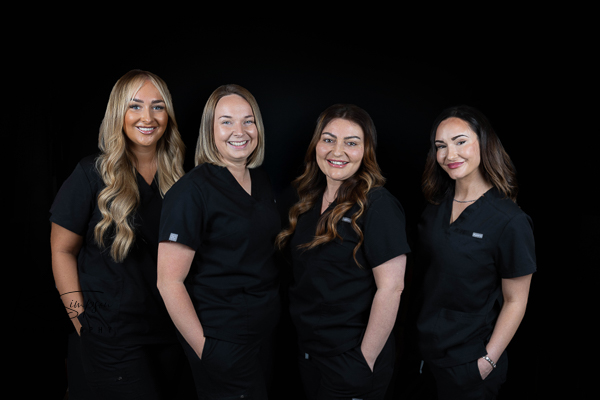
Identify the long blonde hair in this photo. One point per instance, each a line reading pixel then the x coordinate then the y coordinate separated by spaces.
pixel 312 183
pixel 116 163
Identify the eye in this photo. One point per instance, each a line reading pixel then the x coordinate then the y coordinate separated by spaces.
pixel 159 108
pixel 134 107
pixel 351 143
pixel 440 146
pixel 249 122
pixel 328 140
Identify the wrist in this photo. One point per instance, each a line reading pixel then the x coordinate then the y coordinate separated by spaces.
pixel 489 360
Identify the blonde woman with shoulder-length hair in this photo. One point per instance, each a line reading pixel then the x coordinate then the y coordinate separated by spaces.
pixel 216 271
pixel 104 245
pixel 348 247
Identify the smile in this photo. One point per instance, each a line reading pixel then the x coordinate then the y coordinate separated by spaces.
pixel 144 130
pixel 455 165
pixel 238 144
pixel 337 164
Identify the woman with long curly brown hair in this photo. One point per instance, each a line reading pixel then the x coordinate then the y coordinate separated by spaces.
pixel 104 243
pixel 348 244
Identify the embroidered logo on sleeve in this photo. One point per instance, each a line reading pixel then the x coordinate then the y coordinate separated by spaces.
pixel 173 237
pixel 478 235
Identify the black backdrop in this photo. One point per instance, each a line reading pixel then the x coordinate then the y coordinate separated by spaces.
pixel 522 91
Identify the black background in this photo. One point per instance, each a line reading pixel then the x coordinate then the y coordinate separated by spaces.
pixel 531 86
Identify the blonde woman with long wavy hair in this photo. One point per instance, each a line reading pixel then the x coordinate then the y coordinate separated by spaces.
pixel 104 242
pixel 348 248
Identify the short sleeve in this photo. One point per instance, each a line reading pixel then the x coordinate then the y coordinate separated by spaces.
pixel 182 214
pixel 384 229
pixel 73 205
pixel 516 248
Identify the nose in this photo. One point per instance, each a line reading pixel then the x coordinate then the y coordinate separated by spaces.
pixel 338 148
pixel 147 114
pixel 451 153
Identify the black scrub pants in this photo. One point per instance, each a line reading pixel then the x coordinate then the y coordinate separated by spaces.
pixel 230 370
pixel 347 376
pixel 463 382
pixel 98 370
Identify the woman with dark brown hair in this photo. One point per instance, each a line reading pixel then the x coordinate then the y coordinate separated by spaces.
pixel 477 251
pixel 348 244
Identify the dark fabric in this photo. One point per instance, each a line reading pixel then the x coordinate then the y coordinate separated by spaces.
pixel 233 279
pixel 121 300
pixel 331 296
pixel 463 382
pixel 347 375
pixel 101 370
pixel 229 370
pixel 464 264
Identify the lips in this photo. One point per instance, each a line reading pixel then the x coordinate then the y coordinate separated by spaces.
pixel 241 143
pixel 455 165
pixel 337 163
pixel 145 130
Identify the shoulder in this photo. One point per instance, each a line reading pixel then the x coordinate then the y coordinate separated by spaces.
pixel 380 196
pixel 506 207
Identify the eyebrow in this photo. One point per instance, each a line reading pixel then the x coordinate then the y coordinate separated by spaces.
pixel 228 116
pixel 347 137
pixel 152 102
pixel 454 138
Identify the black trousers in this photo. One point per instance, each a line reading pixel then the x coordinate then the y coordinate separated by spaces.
pixel 347 376
pixel 463 382
pixel 98 370
pixel 230 370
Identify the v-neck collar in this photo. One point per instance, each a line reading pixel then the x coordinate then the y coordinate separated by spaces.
pixel 253 182
pixel 466 212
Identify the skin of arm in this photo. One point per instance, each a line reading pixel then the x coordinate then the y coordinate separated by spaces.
pixel 515 292
pixel 174 262
pixel 65 246
pixel 389 278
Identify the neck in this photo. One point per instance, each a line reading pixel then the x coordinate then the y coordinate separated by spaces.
pixel 331 190
pixel 470 190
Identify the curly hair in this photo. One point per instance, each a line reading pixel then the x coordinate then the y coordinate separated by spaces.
pixel 311 183
pixel 116 163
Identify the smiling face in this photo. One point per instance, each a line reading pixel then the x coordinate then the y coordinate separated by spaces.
pixel 146 118
pixel 458 149
pixel 236 135
pixel 340 150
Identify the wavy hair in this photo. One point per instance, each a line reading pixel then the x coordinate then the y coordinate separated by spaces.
pixel 116 163
pixel 311 183
pixel 496 165
pixel 206 148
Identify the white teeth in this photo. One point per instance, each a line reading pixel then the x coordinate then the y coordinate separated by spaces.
pixel 145 130
pixel 239 143
pixel 338 162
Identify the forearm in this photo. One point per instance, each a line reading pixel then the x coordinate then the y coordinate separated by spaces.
pixel 506 326
pixel 515 292
pixel 65 248
pixel 381 322
pixel 182 312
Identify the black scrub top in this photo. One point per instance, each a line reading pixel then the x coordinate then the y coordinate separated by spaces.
pixel 331 296
pixel 233 280
pixel 121 300
pixel 465 261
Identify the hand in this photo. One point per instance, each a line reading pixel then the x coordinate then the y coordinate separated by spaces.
pixel 485 368
pixel 369 358
pixel 201 346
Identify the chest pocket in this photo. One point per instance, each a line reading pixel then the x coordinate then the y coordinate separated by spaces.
pixel 474 246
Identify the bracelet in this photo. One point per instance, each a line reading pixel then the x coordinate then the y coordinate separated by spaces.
pixel 486 358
